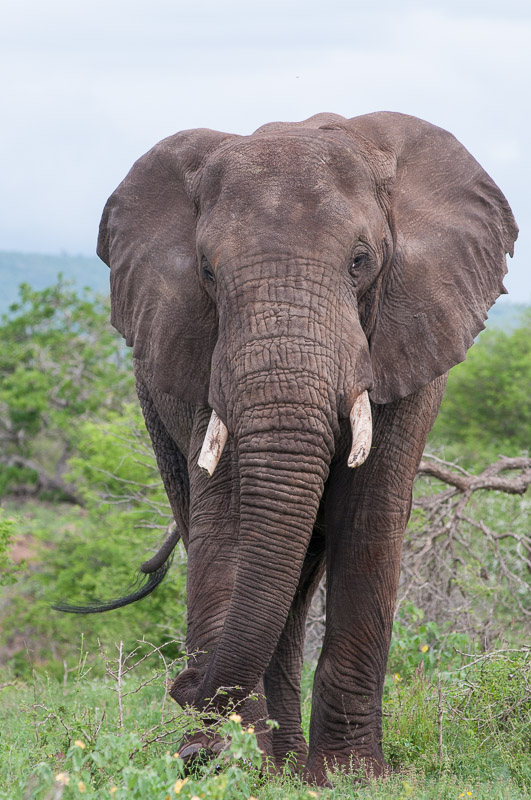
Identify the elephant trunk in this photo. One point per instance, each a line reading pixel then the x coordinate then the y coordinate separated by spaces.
pixel 283 463
pixel 281 378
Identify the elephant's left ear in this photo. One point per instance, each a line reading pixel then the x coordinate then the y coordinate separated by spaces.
pixel 452 227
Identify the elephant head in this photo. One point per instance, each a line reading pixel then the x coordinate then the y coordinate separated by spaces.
pixel 280 277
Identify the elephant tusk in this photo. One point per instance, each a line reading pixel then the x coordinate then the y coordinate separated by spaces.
pixel 215 440
pixel 361 424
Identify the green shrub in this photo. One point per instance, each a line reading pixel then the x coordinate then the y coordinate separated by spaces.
pixel 8 569
pixel 486 409
pixel 93 553
pixel 418 644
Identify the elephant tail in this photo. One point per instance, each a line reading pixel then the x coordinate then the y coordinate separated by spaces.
pixel 154 571
pixel 156 563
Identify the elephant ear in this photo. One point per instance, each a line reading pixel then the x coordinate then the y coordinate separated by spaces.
pixel 452 227
pixel 147 238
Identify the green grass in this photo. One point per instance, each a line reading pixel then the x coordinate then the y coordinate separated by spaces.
pixel 469 733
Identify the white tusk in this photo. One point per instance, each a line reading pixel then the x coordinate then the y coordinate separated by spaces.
pixel 215 440
pixel 361 424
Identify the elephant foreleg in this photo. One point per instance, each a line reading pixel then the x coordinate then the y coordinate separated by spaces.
pixel 365 515
pixel 213 554
pixel 283 675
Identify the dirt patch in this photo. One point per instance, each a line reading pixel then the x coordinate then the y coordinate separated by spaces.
pixel 24 548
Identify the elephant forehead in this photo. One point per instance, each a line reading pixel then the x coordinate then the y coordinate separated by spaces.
pixel 309 166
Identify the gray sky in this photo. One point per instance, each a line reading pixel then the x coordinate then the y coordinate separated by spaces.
pixel 89 85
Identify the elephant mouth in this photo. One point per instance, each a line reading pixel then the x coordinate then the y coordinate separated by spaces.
pixel 360 422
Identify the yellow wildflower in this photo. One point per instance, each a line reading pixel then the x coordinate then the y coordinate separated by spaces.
pixel 397 677
pixel 250 729
pixel 176 755
pixel 63 778
pixel 81 786
pixel 179 783
pixel 114 789
pixel 235 718
pixel 425 648
pixel 80 744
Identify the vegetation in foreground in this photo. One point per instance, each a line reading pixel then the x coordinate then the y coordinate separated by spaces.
pixel 468 730
pixel 83 505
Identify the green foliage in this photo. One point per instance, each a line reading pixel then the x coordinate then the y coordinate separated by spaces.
pixel 59 361
pixel 475 720
pixel 419 645
pixel 486 408
pixel 498 700
pixel 118 737
pixel 7 568
pixel 88 771
pixel 92 553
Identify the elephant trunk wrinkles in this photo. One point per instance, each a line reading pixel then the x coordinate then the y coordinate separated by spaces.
pixel 282 476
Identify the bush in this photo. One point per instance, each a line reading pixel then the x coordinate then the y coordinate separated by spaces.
pixel 86 554
pixel 486 409
pixel 7 568
pixel 59 361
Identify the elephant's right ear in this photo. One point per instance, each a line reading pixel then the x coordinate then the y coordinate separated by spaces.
pixel 147 238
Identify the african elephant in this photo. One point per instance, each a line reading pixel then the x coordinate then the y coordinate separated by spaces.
pixel 280 289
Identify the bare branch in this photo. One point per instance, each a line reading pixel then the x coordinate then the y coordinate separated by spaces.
pixel 488 479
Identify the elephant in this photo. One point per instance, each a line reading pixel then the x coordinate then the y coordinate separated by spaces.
pixel 294 299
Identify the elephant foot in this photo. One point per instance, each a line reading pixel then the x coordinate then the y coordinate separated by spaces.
pixel 199 747
pixel 290 753
pixel 202 745
pixel 318 769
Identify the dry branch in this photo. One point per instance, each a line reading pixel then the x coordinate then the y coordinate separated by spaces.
pixel 455 567
pixel 464 481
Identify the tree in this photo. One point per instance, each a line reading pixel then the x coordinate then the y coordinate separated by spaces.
pixel 60 363
pixel 486 409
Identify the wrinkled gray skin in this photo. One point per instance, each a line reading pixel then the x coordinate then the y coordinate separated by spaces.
pixel 273 278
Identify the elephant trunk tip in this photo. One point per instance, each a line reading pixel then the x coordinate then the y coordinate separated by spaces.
pixel 361 425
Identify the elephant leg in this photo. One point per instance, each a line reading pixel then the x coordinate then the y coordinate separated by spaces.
pixel 283 675
pixel 212 565
pixel 366 513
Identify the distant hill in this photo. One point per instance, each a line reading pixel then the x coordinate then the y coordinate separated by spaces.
pixel 41 270
pixel 505 314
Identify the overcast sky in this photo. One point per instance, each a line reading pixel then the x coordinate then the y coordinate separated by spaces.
pixel 89 85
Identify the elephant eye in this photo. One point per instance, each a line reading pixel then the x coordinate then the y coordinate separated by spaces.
pixel 359 260
pixel 207 271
